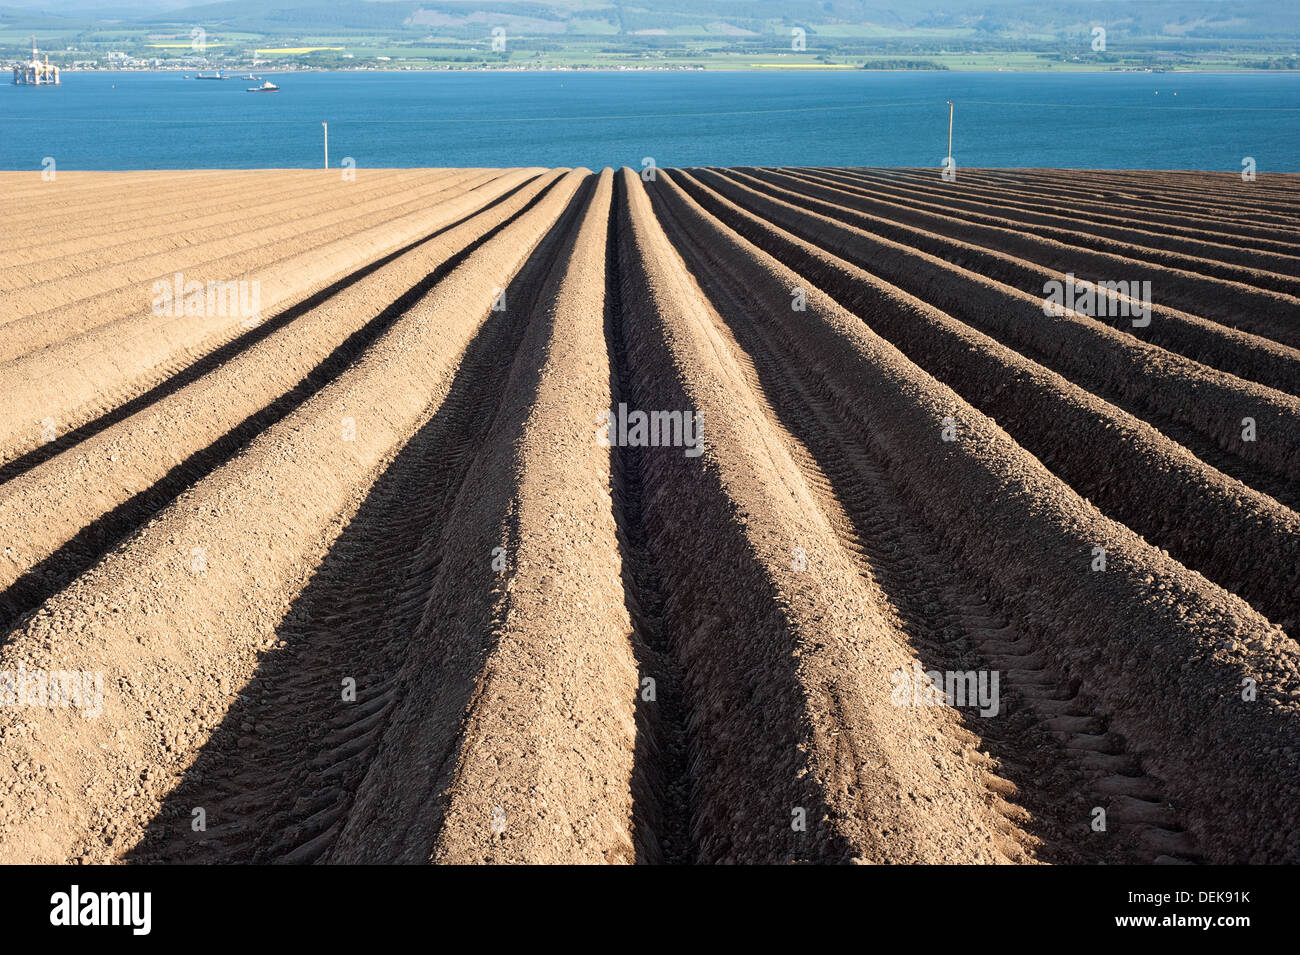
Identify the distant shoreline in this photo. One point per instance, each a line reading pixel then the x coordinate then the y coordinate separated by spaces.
pixel 236 72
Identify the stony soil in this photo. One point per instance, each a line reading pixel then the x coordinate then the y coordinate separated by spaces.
pixel 363 583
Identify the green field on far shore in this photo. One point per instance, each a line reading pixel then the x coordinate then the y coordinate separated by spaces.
pixel 834 47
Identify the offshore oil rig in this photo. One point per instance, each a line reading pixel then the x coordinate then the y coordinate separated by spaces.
pixel 36 73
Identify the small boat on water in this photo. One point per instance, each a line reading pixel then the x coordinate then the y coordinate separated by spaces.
pixel 251 78
pixel 267 87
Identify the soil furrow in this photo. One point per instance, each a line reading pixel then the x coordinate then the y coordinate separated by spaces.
pixel 1144 638
pixel 70 384
pixel 788 755
pixel 661 781
pixel 288 794
pixel 202 618
pixel 1253 267
pixel 463 636
pixel 1027 263
pixel 1106 207
pixel 119 293
pixel 1078 226
pixel 65 202
pixel 212 255
pixel 1238 538
pixel 1238 353
pixel 945 619
pixel 1159 205
pixel 204 221
pixel 65 514
pixel 1113 365
pixel 752 515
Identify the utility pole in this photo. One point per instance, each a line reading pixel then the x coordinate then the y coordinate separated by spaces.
pixel 949 134
pixel 326 127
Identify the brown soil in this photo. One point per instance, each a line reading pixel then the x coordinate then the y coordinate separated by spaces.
pixel 362 584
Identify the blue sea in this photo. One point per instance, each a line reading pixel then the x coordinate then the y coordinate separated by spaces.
pixel 857 118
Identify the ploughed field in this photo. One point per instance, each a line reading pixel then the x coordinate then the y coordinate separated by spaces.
pixel 740 515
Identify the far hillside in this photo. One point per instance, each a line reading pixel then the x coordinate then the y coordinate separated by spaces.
pixel 881 34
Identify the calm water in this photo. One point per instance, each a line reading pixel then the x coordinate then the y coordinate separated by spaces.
pixel 1117 121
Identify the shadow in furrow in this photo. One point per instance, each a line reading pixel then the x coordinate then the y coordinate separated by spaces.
pixel 279 776
pixel 723 620
pixel 96 538
pixel 947 620
pixel 660 787
pixel 226 352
